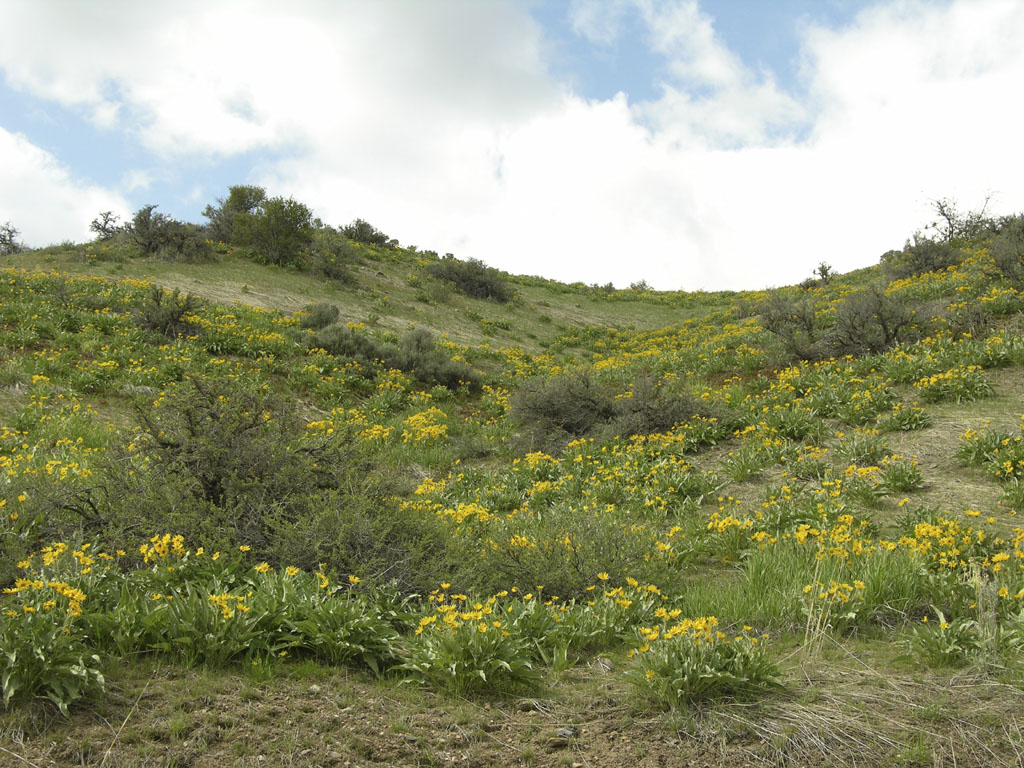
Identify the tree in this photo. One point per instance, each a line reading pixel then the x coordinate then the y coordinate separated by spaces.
pixel 9 240
pixel 362 231
pixel 148 228
pixel 242 200
pixel 106 225
pixel 824 272
pixel 278 229
pixel 175 240
pixel 953 226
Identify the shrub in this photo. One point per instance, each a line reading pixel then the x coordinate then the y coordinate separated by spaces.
pixel 227 463
pixel 418 355
pixel 185 243
pixel 652 407
pixel 571 405
pixel 242 200
pixel 473 278
pixel 167 312
pixel 157 234
pixel 278 230
pixel 9 240
pixel 319 316
pixel 331 256
pixel 921 256
pixel 415 353
pixel 576 405
pixel 796 323
pixel 1008 250
pixel 955 227
pixel 362 231
pixel 147 228
pixel 870 321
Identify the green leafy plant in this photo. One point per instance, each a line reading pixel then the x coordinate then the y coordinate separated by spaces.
pixel 43 651
pixel 473 278
pixel 693 661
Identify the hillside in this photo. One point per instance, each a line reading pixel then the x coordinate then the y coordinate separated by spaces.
pixel 357 517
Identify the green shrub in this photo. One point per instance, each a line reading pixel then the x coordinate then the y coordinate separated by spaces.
pixel 341 341
pixel 415 353
pixel 242 201
pixel 921 256
pixel 105 225
pixel 361 231
pixel 330 256
pixel 418 355
pixel 870 321
pixel 278 230
pixel 167 312
pixel 576 405
pixel 652 407
pixel 692 661
pixel 473 278
pixel 228 463
pixel 569 405
pixel 157 234
pixel 796 323
pixel 1008 250
pixel 9 240
pixel 320 316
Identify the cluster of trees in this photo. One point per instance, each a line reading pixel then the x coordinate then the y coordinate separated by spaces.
pixel 275 230
pixel 871 320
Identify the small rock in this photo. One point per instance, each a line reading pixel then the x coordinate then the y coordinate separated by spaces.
pixel 605 665
pixel 567 732
pixel 314 688
pixel 526 705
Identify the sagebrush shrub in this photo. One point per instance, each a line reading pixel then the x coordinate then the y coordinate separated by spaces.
pixel 278 230
pixel 869 320
pixel 415 353
pixel 157 234
pixel 167 312
pixel 473 278
pixel 572 404
pixel 921 256
pixel 1008 250
pixel 796 323
pixel 242 200
pixel 362 231
pixel 320 315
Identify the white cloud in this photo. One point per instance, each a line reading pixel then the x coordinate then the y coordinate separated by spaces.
pixel 439 123
pixel 41 198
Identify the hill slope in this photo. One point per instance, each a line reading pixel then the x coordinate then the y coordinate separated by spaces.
pixel 607 504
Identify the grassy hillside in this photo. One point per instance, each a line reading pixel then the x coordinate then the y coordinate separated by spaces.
pixel 367 519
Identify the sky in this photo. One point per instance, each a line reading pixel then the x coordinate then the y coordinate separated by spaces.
pixel 692 144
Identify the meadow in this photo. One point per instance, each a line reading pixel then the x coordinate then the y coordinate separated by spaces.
pixel 580 527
